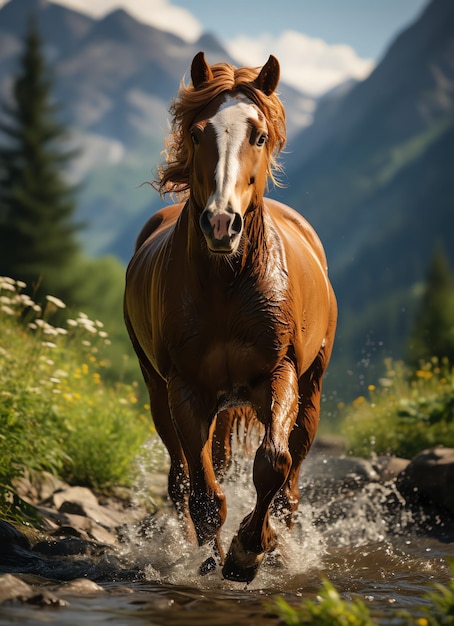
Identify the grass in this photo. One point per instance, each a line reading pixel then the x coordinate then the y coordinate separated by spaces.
pixel 57 412
pixel 404 413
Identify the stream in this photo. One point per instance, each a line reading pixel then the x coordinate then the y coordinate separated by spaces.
pixel 351 539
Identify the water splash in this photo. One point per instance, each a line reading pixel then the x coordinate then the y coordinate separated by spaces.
pixel 358 521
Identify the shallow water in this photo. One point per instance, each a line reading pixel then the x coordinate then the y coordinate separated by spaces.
pixel 350 539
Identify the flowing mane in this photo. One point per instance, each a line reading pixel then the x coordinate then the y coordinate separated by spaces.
pixel 173 176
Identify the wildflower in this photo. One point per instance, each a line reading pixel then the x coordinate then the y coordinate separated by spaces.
pixel 358 401
pixel 371 388
pixel 72 322
pixel 48 344
pixel 7 286
pixel 21 284
pixel 61 374
pixel 7 309
pixel 56 301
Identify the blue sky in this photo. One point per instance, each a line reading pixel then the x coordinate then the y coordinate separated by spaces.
pixel 366 25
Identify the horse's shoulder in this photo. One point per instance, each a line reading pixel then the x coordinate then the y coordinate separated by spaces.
pixel 293 223
pixel 159 220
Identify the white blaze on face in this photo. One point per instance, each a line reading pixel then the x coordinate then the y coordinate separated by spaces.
pixel 231 127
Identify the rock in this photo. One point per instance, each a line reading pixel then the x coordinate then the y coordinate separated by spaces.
pixel 389 467
pixel 76 495
pixel 328 445
pixel 431 475
pixel 81 586
pixel 65 547
pixel 13 588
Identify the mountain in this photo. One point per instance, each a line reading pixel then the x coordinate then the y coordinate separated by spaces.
pixel 115 78
pixel 374 174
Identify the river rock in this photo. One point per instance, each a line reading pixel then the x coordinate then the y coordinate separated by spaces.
pixel 13 589
pixel 389 467
pixel 75 495
pixel 431 475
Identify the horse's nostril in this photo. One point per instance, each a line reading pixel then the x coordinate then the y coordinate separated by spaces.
pixel 236 225
pixel 205 223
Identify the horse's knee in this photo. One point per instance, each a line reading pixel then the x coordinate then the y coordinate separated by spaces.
pixel 208 513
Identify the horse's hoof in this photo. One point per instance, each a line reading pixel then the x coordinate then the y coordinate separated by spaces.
pixel 241 565
pixel 208 566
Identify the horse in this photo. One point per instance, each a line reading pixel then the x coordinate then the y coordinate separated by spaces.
pixel 230 310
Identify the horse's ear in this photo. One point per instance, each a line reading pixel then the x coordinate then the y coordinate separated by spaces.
pixel 200 70
pixel 268 78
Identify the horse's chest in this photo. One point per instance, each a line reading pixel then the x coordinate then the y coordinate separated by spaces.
pixel 230 342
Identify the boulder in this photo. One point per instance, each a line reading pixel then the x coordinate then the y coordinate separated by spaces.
pixel 430 475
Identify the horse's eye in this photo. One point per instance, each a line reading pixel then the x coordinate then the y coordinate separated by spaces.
pixel 261 140
pixel 194 137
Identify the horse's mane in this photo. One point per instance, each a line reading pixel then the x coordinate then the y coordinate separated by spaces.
pixel 173 176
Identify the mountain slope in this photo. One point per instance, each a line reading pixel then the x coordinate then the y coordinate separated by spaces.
pixel 115 78
pixel 375 175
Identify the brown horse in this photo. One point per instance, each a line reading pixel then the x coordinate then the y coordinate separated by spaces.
pixel 228 305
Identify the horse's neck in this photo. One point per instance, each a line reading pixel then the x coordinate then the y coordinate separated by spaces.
pixel 253 250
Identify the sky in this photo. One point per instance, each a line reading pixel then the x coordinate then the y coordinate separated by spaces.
pixel 319 43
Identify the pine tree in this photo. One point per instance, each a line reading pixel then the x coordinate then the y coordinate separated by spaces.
pixel 38 240
pixel 433 332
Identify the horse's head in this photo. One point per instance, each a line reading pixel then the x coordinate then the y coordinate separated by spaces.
pixel 228 127
pixel 230 156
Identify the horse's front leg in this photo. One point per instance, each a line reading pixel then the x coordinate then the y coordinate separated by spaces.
pixel 193 420
pixel 277 407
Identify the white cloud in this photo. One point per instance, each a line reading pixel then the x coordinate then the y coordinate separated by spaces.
pixel 309 64
pixel 159 13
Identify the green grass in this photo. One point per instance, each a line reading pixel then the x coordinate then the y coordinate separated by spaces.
pixel 404 413
pixel 58 409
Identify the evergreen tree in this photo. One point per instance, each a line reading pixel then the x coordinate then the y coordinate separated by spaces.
pixel 433 332
pixel 38 241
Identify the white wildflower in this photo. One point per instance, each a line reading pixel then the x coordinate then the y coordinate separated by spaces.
pixel 50 330
pixel 58 303
pixel 7 286
pixel 60 374
pixel 49 344
pixel 72 322
pixel 21 284
pixel 7 309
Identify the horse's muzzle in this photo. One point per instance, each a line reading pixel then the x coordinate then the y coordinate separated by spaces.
pixel 222 229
